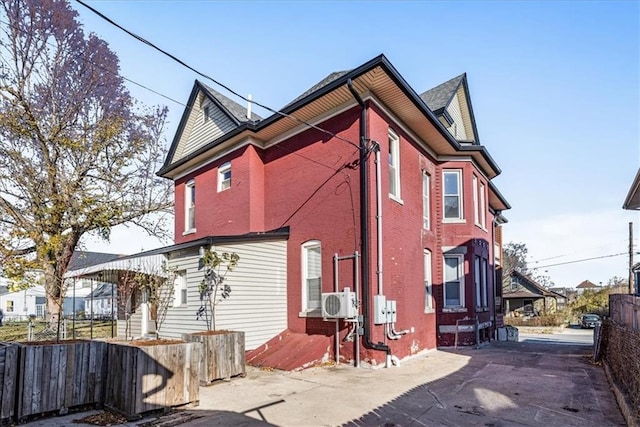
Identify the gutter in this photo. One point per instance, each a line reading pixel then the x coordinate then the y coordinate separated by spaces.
pixel 364 228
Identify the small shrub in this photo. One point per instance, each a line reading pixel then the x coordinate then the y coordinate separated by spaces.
pixel 544 320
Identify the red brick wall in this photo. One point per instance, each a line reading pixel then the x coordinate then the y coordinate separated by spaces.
pixel 311 184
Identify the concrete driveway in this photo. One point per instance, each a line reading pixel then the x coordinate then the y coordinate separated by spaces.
pixel 502 384
pixel 528 383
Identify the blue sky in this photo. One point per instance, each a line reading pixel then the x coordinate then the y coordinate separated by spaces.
pixel 555 88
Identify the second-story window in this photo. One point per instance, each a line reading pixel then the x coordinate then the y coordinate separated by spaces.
pixel 190 206
pixel 482 208
pixel 224 177
pixel 452 194
pixel 425 201
pixel 394 165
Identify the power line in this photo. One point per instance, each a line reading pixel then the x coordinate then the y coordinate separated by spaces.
pixel 582 260
pixel 82 58
pixel 79 56
pixel 227 88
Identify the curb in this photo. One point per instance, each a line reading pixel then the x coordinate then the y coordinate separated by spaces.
pixel 625 408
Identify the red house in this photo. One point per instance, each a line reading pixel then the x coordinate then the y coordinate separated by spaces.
pixel 364 184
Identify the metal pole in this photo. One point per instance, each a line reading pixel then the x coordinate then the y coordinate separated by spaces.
pixel 113 303
pixel 631 257
pixel 91 313
pixel 73 309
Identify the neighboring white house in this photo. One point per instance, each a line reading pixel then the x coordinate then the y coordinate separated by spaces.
pixel 19 305
pixel 101 303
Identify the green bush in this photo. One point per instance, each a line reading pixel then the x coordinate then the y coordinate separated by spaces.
pixel 556 319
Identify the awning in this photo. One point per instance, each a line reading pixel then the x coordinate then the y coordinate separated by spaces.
pixel 145 263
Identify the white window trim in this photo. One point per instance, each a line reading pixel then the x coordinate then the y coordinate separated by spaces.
pixel 477 281
pixel 484 274
pixel 460 217
pixel 180 285
pixel 426 199
pixel 304 251
pixel 394 148
pixel 222 170
pixel 189 204
pixel 476 206
pixel 428 283
pixel 205 113
pixel 461 276
pixel 483 208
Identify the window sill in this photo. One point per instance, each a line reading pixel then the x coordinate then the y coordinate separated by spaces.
pixel 454 310
pixel 481 227
pixel 316 312
pixel 454 221
pixel 479 309
pixel 190 231
pixel 396 199
pixel 429 310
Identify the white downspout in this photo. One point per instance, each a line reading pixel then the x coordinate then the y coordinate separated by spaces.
pixel 379 217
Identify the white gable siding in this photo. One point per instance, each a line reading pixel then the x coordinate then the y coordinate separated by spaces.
pixel 197 132
pixel 457 129
pixel 466 117
pixel 258 301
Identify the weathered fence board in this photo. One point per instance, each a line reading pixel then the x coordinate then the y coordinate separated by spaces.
pixel 144 377
pixel 8 380
pixel 223 354
pixel 57 376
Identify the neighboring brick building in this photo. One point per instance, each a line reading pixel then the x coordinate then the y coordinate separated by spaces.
pixel 238 178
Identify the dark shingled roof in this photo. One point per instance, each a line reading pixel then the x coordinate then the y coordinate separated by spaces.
pixel 84 259
pixel 440 96
pixel 322 83
pixel 236 110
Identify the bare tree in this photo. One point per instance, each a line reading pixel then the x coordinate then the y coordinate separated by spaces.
pixel 76 153
pixel 515 258
pixel 213 288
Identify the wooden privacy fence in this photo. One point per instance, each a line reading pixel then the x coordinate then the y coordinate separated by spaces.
pixel 624 309
pixel 8 380
pixel 58 376
pixel 223 354
pixel 144 378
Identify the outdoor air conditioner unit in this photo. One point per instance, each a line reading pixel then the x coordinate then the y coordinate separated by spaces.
pixel 339 305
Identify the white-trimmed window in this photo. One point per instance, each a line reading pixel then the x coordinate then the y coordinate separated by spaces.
pixel 425 201
pixel 482 206
pixel 477 281
pixel 311 275
pixel 453 281
pixel 224 176
pixel 180 289
pixel 452 194
pixel 190 206
pixel 476 206
pixel 9 306
pixel 394 165
pixel 428 285
pixel 484 277
pixel 205 114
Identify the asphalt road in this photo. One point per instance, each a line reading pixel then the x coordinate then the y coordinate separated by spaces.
pixel 568 336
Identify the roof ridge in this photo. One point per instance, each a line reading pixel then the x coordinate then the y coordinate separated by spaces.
pixel 233 108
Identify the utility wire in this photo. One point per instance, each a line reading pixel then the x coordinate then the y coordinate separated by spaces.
pixel 184 64
pixel 582 260
pixel 82 58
